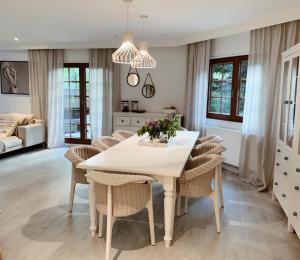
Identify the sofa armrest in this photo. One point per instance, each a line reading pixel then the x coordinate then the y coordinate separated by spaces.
pixel 32 134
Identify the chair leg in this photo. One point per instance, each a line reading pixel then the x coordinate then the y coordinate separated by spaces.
pixel 221 187
pixel 186 205
pixel 100 234
pixel 72 192
pixel 217 211
pixel 178 206
pixel 149 207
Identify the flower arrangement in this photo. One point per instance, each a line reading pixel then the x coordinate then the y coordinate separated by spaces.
pixel 162 128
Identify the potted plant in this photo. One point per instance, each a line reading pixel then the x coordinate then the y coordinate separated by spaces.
pixel 160 130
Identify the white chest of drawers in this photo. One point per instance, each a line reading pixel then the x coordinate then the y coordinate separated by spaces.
pixel 134 121
pixel 286 186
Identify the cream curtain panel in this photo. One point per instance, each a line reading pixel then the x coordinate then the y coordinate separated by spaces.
pixel 261 101
pixel 197 85
pixel 104 91
pixel 47 92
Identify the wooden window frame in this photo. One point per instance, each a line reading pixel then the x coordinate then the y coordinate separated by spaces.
pixel 234 117
pixel 82 99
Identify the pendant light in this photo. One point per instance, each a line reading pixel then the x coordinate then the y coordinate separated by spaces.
pixel 127 51
pixel 143 60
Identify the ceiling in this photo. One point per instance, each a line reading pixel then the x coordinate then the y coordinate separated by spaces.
pixel 100 23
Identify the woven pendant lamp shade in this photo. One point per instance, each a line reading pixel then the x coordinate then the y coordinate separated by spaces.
pixel 127 51
pixel 143 60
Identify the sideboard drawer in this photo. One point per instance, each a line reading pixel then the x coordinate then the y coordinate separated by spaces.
pixel 137 121
pixel 122 121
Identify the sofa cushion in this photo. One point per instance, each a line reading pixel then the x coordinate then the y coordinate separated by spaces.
pixel 7 142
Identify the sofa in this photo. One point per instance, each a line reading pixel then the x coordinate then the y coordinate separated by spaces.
pixel 20 130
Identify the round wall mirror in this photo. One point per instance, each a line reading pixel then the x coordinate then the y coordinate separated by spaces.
pixel 148 91
pixel 133 78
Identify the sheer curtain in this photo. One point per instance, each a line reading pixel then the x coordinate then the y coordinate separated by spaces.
pixel 197 85
pixel 261 101
pixel 104 91
pixel 46 92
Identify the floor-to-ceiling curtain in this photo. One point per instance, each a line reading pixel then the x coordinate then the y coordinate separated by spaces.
pixel 104 91
pixel 46 91
pixel 197 85
pixel 261 101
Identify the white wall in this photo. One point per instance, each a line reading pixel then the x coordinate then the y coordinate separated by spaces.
pixel 14 103
pixel 169 80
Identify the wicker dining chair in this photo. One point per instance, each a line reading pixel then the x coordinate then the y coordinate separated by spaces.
pixel 105 142
pixel 122 134
pixel 76 155
pixel 209 139
pixel 121 195
pixel 211 148
pixel 196 181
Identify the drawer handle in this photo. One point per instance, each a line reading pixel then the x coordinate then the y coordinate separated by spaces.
pixel 285 173
pixel 295 214
pixel 296 187
pixel 278 150
pixel 283 196
pixel 298 170
pixel 276 183
pixel 286 158
pixel 277 164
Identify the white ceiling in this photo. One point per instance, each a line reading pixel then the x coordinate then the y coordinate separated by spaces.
pixel 100 23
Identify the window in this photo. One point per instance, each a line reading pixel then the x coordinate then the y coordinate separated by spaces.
pixel 76 103
pixel 226 90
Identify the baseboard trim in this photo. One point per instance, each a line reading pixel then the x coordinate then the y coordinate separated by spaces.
pixel 231 168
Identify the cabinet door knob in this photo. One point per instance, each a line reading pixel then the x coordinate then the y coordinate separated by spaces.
pixel 283 195
pixel 298 170
pixel 296 187
pixel 286 102
pixel 295 214
pixel 285 173
pixel 276 183
pixel 138 121
pixel 278 150
pixel 122 121
pixel 291 102
pixel 286 158
pixel 277 164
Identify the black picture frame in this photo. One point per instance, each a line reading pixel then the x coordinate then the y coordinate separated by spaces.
pixel 14 77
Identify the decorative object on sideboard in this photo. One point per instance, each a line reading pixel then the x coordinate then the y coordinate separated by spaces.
pixel 134 105
pixel 169 110
pixel 143 60
pixel 14 77
pixel 148 89
pixel 133 78
pixel 159 131
pixel 127 51
pixel 125 105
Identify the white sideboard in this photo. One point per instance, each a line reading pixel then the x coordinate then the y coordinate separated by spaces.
pixel 287 162
pixel 134 121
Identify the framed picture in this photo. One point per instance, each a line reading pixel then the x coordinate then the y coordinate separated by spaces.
pixel 14 77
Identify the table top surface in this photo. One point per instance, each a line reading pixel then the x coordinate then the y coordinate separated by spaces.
pixel 130 157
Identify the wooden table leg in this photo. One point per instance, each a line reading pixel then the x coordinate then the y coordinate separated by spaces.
pixel 92 198
pixel 169 205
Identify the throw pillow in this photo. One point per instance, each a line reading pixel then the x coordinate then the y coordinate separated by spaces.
pixel 12 127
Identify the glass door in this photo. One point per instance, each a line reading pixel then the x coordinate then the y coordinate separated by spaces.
pixel 76 103
pixel 284 100
pixel 292 102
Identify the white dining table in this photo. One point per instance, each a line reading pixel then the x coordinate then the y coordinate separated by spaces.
pixel 165 164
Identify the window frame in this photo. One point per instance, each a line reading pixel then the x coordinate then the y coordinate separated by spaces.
pixel 233 116
pixel 82 99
